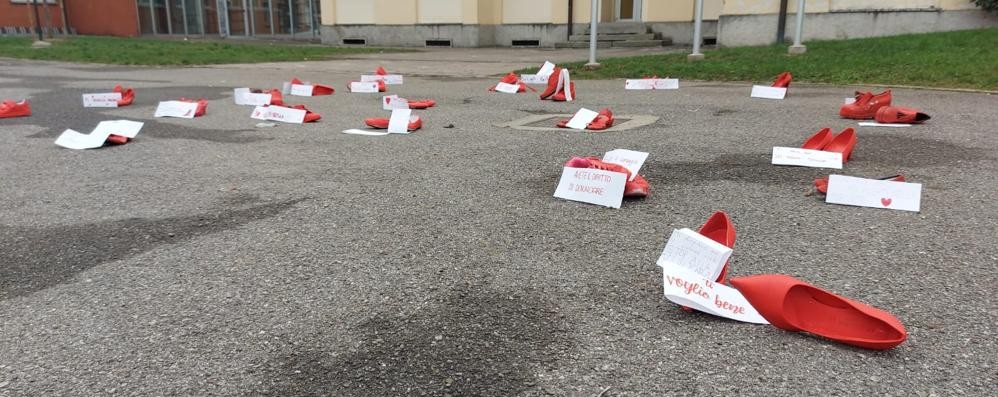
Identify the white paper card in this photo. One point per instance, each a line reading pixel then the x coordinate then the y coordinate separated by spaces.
pixel 279 113
pixel 399 122
pixel 875 124
pixel 689 289
pixel 582 119
pixel 534 78
pixel 101 100
pixel 354 131
pixel 363 86
pixel 184 110
pixel 875 193
pixel 695 252
pixel 592 186
pixel 243 96
pixel 630 159
pixel 806 157
pixel 393 102
pixel 74 140
pixel 565 82
pixel 301 89
pixel 761 91
pixel 124 128
pixel 390 79
pixel 507 88
pixel 651 84
pixel 546 69
pixel 286 88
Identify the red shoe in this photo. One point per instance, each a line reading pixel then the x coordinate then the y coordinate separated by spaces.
pixel 819 140
pixel 783 80
pixel 822 183
pixel 202 106
pixel 720 229
pixel 843 143
pixel 552 83
pixel 309 115
pixel 510 78
pixel 602 121
pixel 127 95
pixel 793 305
pixel 415 123
pixel 889 114
pixel 380 71
pixel 637 188
pixel 10 108
pixel 866 105
pixel 294 80
pixel 321 89
pixel 381 86
pixel 422 103
pixel 560 95
pixel 275 96
pixel 116 140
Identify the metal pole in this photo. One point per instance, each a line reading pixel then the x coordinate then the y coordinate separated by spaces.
pixel 246 21
pixel 781 23
pixel 697 22
pixel 593 16
pixel 152 16
pixel 270 13
pixel 799 48
pixel 311 17
pixel 251 10
pixel 169 19
pixel 204 26
pixel 183 3
pixel 291 16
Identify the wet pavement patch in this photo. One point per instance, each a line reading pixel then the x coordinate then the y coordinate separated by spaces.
pixel 548 122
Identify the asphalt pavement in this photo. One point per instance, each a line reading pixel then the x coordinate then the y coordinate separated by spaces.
pixel 215 257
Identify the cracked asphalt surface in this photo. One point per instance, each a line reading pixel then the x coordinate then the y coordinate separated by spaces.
pixel 213 257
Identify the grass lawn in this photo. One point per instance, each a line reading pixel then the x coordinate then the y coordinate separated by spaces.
pixel 130 51
pixel 962 59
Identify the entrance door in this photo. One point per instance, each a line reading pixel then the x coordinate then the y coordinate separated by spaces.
pixel 628 10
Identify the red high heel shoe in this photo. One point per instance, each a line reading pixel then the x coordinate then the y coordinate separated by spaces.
pixel 720 229
pixel 866 105
pixel 116 140
pixel 512 78
pixel 552 83
pixel 380 71
pixel 843 143
pixel 421 103
pixel 783 80
pixel 889 114
pixel 794 305
pixel 322 89
pixel 821 184
pixel 127 95
pixel 819 140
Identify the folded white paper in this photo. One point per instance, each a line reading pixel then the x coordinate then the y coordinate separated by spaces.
pixel 546 69
pixel 534 78
pixel 392 102
pixel 806 157
pixel 592 186
pixel 278 113
pixel 874 193
pixel 71 139
pixel 184 110
pixel 630 159
pixel 301 89
pixel 507 88
pixel 101 100
pixel 390 79
pixel 875 124
pixel 695 252
pixel 354 131
pixel 243 96
pixel 125 128
pixel 651 84
pixel 399 122
pixel 363 86
pixel 761 91
pixel 690 289
pixel 582 118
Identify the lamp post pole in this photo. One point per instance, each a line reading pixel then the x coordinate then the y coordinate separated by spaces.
pixel 593 35
pixel 798 47
pixel 697 39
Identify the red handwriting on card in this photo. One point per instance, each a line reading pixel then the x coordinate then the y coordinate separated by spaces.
pixel 735 309
pixel 690 288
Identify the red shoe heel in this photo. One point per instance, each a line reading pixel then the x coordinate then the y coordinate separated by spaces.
pixel 552 84
pixel 794 305
pixel 783 80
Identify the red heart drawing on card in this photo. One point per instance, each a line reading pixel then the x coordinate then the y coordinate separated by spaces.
pixel 388 100
pixel 885 201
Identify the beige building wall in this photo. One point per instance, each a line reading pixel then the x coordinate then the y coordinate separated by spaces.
pixel 354 12
pixel 440 11
pixel 750 7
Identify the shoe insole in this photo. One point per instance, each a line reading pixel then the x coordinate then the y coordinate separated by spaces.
pixel 824 314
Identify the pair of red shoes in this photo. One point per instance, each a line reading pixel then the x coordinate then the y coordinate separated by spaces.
pixel 878 107
pixel 512 78
pixel 602 121
pixel 317 89
pixel 9 108
pixel 558 84
pixel 842 142
pixel 632 188
pixel 422 103
pixel 415 123
pixel 822 183
pixel 275 96
pixel 793 305
pixel 310 116
pixel 202 105
pixel 127 95
pixel 783 80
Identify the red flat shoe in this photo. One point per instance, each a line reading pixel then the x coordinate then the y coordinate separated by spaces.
pixel 637 188
pixel 560 95
pixel 793 305
pixel 602 121
pixel 783 80
pixel 422 103
pixel 127 95
pixel 310 116
pixel 720 229
pixel 843 143
pixel 821 184
pixel 866 105
pixel 202 105
pixel 889 114
pixel 552 83
pixel 510 78
pixel 10 108
pixel 415 123
pixel 322 89
pixel 819 140
pixel 116 140
pixel 380 71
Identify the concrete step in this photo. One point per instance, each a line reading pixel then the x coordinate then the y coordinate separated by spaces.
pixel 642 43
pixel 583 44
pixel 613 37
pixel 620 28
